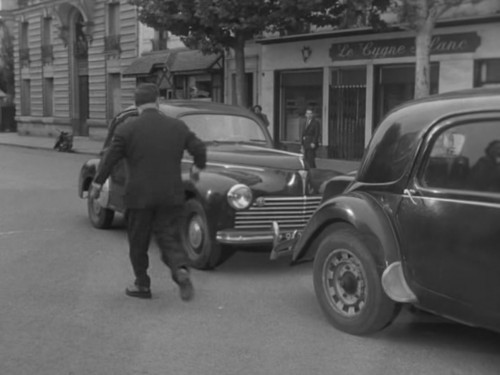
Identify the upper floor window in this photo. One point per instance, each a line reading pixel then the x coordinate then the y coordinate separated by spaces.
pixel 160 40
pixel 47 53
pixel 487 72
pixel 112 39
pixel 24 54
pixel 113 18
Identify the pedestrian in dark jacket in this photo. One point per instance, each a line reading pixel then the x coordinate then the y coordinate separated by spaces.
pixel 310 130
pixel 152 145
pixel 257 109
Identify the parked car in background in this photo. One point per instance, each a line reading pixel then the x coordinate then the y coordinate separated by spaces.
pixel 248 183
pixel 418 223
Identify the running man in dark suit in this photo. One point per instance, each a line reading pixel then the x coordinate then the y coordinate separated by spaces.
pixel 310 137
pixel 152 146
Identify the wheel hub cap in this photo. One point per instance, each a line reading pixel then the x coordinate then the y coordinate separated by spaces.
pixel 195 233
pixel 345 283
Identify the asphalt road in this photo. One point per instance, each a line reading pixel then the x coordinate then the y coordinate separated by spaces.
pixel 63 309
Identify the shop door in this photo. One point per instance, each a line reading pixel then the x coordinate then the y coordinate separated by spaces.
pixel 346 123
pixel 396 85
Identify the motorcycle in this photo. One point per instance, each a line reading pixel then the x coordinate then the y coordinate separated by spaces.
pixel 64 142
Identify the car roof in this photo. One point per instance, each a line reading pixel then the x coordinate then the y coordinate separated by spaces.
pixel 179 107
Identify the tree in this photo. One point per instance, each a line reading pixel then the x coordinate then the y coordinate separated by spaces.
pixel 215 26
pixel 421 16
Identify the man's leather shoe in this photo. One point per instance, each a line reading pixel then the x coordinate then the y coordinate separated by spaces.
pixel 138 291
pixel 185 285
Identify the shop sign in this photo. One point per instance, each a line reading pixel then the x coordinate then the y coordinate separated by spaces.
pixel 379 49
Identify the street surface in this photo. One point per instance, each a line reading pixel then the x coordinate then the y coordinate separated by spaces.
pixel 63 309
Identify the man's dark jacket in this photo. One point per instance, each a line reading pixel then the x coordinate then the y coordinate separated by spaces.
pixel 310 133
pixel 152 145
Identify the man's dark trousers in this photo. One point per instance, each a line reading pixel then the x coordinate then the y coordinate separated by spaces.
pixel 164 223
pixel 310 157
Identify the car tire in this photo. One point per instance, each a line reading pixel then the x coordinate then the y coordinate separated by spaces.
pixel 100 217
pixel 203 251
pixel 347 283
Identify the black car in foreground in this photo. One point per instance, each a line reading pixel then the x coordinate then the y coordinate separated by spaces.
pixel 420 221
pixel 247 185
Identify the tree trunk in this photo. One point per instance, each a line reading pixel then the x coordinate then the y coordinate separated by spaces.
pixel 427 13
pixel 239 58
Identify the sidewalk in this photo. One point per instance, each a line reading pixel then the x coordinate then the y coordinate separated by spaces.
pixel 81 145
pixel 84 145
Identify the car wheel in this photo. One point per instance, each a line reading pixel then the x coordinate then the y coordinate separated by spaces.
pixel 347 283
pixel 202 250
pixel 100 217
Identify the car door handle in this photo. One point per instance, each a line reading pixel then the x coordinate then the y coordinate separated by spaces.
pixel 409 193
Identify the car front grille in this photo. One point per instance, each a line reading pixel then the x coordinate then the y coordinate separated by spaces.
pixel 290 213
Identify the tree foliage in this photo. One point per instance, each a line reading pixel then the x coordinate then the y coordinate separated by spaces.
pixel 221 25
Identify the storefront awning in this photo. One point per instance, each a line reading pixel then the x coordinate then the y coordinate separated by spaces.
pixel 143 65
pixel 193 60
pixel 180 61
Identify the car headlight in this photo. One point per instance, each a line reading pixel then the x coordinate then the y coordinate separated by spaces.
pixel 239 197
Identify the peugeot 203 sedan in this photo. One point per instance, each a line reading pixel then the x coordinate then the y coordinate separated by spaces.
pixel 418 224
pixel 247 184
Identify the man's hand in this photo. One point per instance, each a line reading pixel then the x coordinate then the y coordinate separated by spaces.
pixel 313 145
pixel 194 173
pixel 95 191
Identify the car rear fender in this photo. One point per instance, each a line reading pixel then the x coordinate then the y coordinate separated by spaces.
pixel 362 212
pixel 87 173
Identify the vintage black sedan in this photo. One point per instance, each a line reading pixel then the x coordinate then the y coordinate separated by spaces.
pixel 248 184
pixel 420 221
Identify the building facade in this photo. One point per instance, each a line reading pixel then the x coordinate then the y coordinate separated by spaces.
pixel 352 78
pixel 73 62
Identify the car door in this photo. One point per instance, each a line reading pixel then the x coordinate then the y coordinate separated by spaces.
pixel 449 217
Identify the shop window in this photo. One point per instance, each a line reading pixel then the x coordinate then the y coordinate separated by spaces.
pixel 487 73
pixel 396 85
pixel 298 91
pixel 347 108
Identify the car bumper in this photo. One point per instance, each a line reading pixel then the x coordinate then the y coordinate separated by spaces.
pixel 271 237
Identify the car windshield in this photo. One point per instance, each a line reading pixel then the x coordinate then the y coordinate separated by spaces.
pixel 215 128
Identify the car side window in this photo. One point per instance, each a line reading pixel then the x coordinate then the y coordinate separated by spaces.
pixel 465 157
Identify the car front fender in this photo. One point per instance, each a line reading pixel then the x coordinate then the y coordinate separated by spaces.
pixel 361 211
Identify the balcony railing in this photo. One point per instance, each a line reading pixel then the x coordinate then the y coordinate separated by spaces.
pixel 47 53
pixel 24 56
pixel 112 43
pixel 80 49
pixel 159 44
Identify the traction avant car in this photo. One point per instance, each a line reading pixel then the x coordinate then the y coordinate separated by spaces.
pixel 248 184
pixel 419 222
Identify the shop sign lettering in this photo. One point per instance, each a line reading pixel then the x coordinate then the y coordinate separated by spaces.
pixel 379 49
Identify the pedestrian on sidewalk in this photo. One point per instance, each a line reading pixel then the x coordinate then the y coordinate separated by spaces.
pixel 152 145
pixel 257 109
pixel 310 130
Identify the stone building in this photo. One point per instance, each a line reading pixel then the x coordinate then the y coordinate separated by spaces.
pixel 78 63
